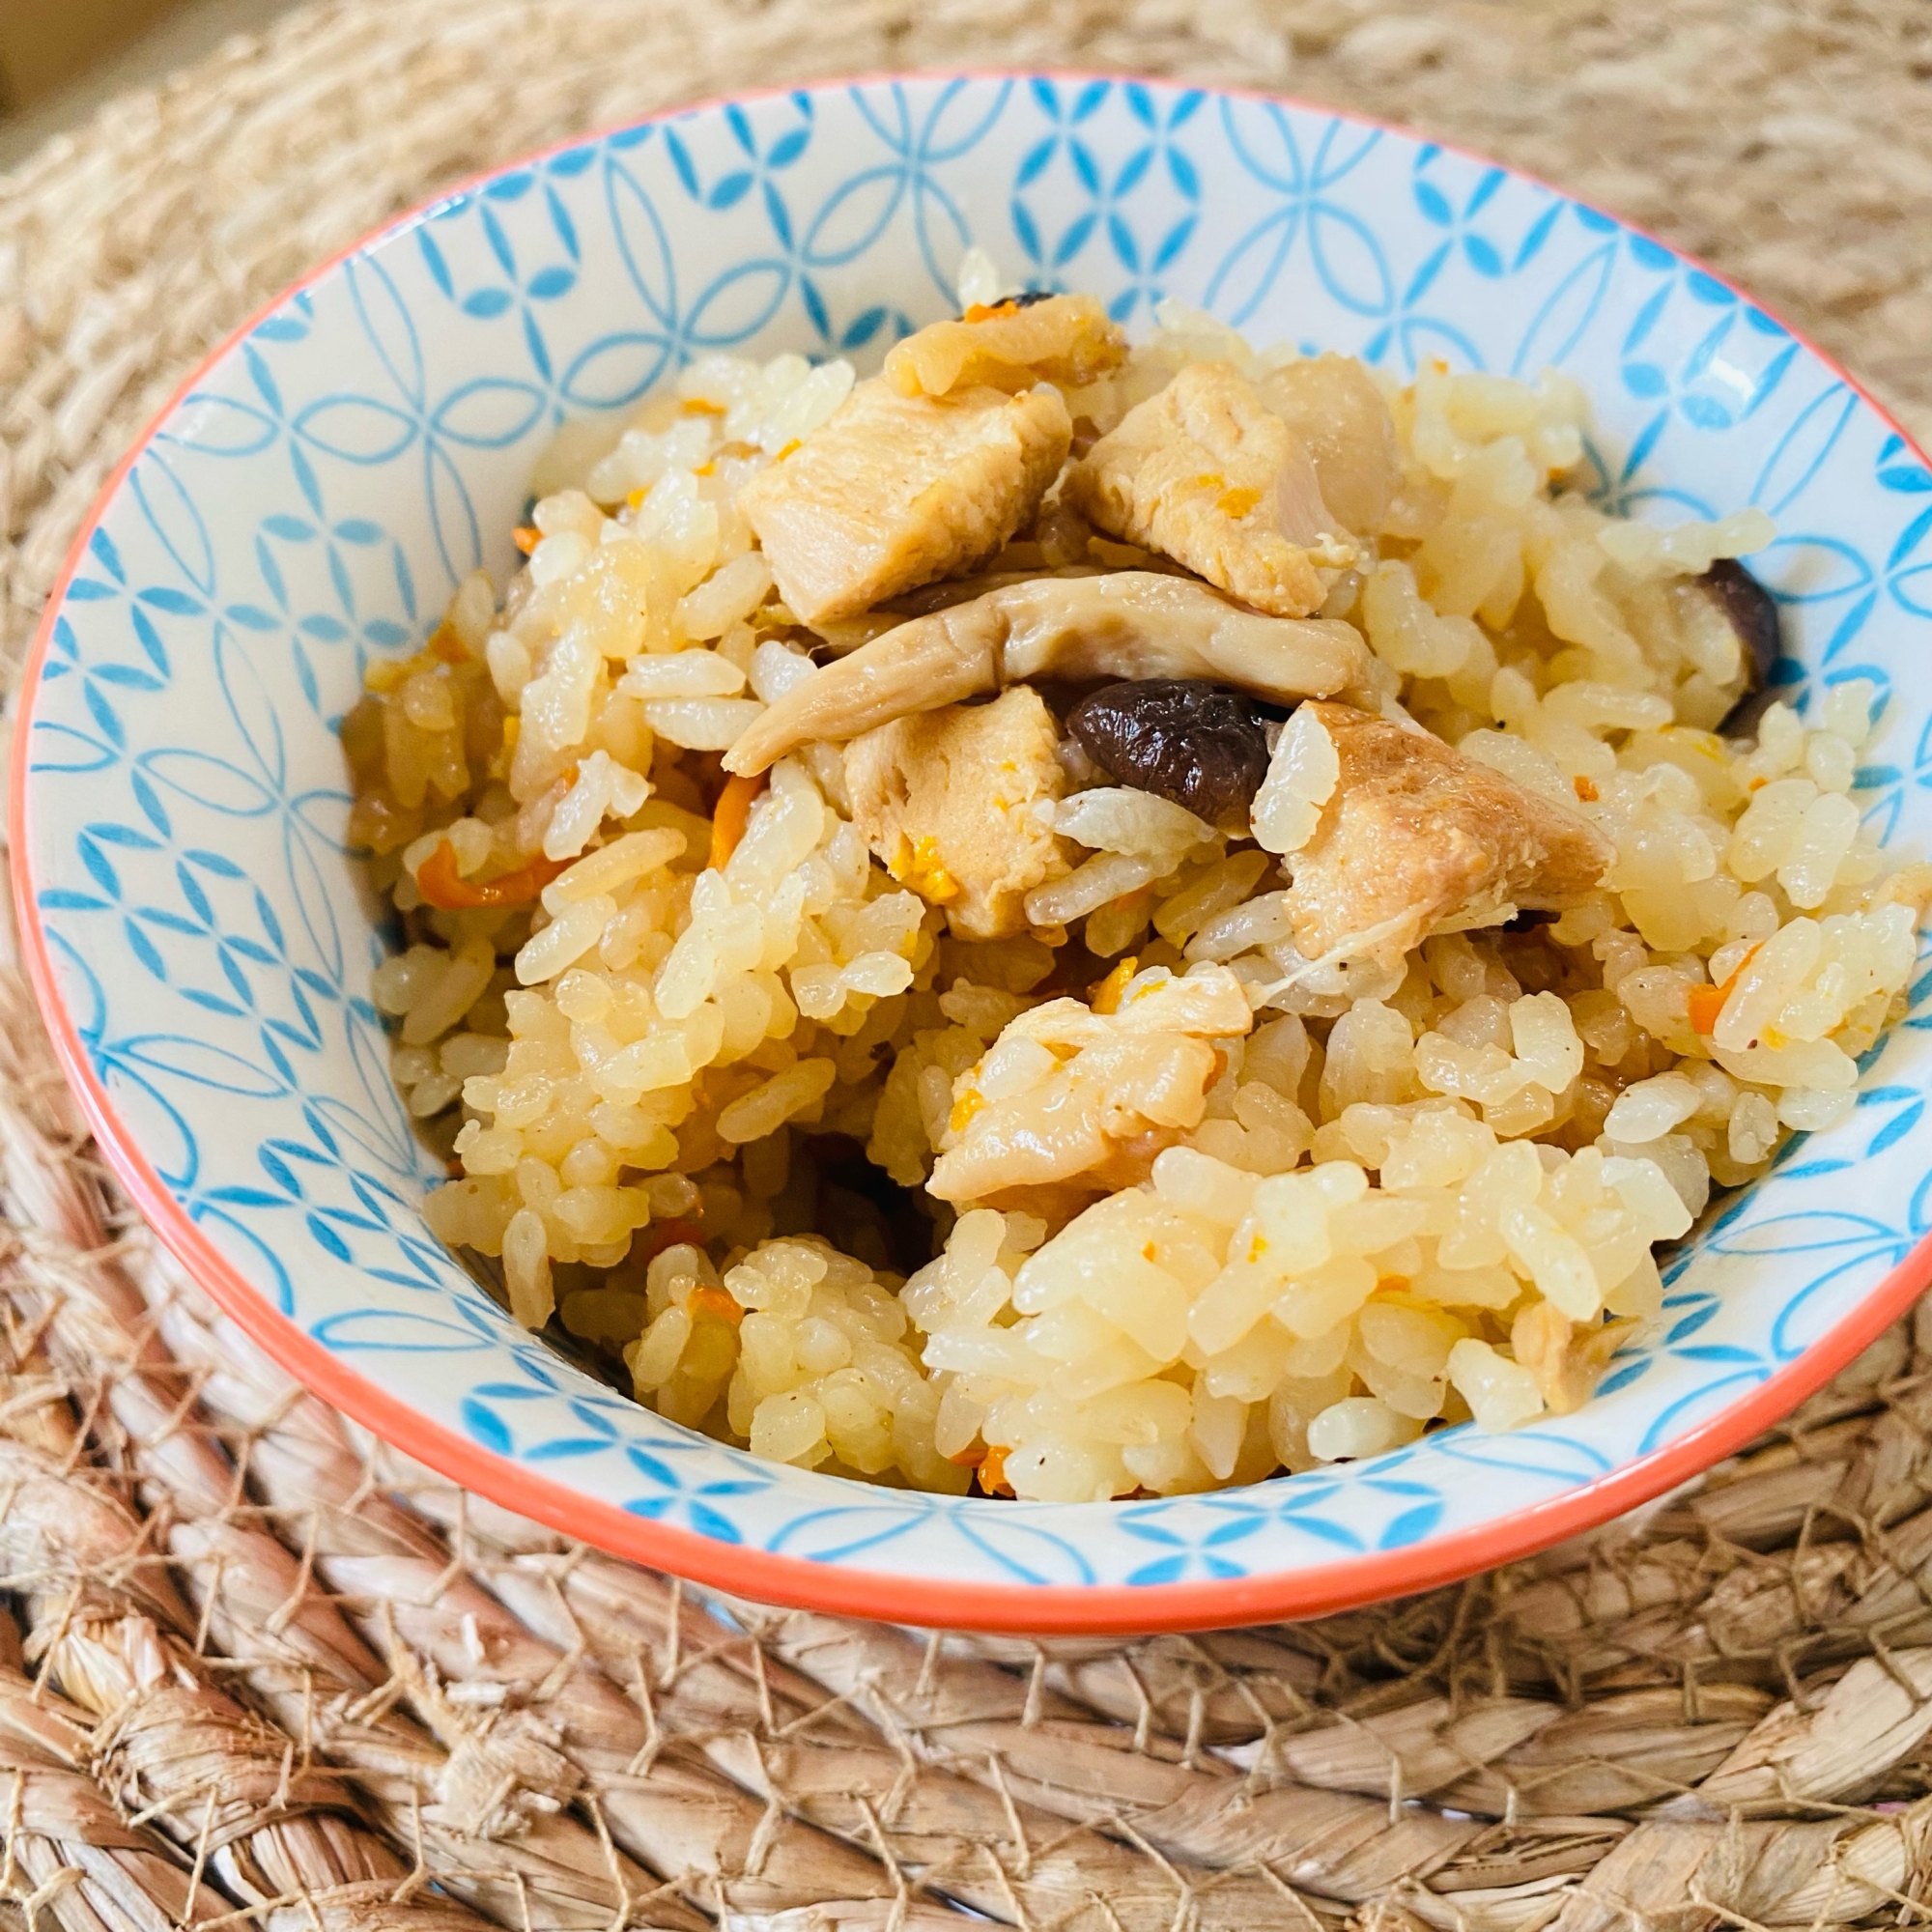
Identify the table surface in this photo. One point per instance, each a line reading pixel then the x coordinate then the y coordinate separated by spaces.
pixel 186 32
pixel 351 1686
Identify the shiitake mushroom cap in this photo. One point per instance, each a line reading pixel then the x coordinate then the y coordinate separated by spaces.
pixel 1188 739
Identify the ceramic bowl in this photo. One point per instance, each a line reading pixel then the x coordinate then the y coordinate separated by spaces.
pixel 202 944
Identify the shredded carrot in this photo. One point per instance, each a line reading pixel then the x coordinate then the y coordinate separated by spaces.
pixel 698 405
pixel 705 469
pixel 716 1301
pixel 987 311
pixel 637 497
pixel 441 884
pixel 1585 788
pixel 785 450
pixel 970 1457
pixel 1706 1003
pixel 1236 503
pixel 964 1108
pixel 730 816
pixel 526 536
pixel 993 1472
pixel 443 887
pixel 668 1234
pixel 1107 994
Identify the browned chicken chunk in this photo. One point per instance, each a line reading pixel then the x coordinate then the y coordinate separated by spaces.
pixel 1332 404
pixel 944 799
pixel 1207 473
pixel 1064 339
pixel 1130 1083
pixel 895 490
pixel 1416 838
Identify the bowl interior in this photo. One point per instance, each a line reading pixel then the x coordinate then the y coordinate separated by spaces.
pixel 309 502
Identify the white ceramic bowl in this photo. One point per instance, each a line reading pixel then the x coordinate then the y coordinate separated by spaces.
pixel 202 944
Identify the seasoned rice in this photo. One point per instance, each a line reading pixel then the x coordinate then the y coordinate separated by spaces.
pixel 1138 1197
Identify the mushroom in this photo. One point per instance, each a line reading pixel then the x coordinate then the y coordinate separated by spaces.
pixel 1181 739
pixel 1131 623
pixel 1734 597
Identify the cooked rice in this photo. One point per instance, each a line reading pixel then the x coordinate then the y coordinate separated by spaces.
pixel 1412 1191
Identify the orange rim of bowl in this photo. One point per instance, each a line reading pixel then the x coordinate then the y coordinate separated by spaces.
pixel 1046 1608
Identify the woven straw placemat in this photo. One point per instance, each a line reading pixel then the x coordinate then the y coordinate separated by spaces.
pixel 253 1666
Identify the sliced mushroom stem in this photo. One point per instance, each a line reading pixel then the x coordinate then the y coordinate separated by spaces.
pixel 1129 624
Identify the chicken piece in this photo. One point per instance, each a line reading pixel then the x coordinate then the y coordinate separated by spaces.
pixel 1129 623
pixel 1413 838
pixel 1086 1100
pixel 1568 1362
pixel 1063 339
pixel 1208 1000
pixel 945 799
pixel 1333 405
pixel 895 490
pixel 1207 473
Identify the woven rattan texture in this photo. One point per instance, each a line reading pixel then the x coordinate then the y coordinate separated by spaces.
pixel 257 1669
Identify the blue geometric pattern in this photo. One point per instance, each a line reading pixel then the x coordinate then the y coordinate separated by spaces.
pixel 311 504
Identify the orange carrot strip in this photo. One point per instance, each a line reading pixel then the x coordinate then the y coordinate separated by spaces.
pixel 526 537
pixel 993 1472
pixel 1706 1003
pixel 730 816
pixel 716 1301
pixel 441 884
pixel 443 887
pixel 1104 996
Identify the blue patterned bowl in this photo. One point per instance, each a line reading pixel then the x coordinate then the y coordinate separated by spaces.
pixel 202 947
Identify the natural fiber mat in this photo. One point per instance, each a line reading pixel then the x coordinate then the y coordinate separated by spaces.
pixel 254 1667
